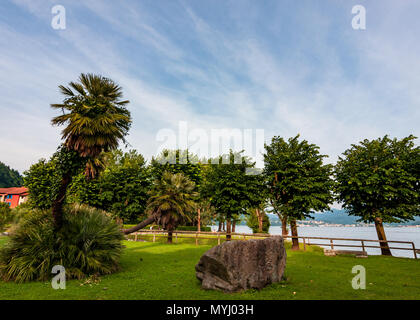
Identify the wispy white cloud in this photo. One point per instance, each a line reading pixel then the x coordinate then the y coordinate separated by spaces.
pixel 190 67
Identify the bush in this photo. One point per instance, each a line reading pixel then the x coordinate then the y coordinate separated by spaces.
pixel 192 228
pixel 252 222
pixel 19 212
pixel 5 215
pixel 89 243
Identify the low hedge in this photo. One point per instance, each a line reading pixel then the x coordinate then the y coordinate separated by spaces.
pixel 193 228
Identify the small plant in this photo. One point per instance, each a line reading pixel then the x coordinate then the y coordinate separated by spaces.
pixel 92 280
pixel 89 243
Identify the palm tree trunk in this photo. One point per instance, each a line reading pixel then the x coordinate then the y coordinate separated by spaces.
pixel 57 205
pixel 381 236
pixel 295 241
pixel 198 220
pixel 141 225
pixel 228 230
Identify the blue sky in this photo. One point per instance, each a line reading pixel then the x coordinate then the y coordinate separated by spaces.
pixel 286 67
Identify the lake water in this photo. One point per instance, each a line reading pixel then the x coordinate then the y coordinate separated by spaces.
pixel 392 233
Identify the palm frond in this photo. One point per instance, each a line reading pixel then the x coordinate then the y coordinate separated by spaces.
pixel 94 117
pixel 172 199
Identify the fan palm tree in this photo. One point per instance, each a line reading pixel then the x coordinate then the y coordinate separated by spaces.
pixel 95 120
pixel 172 198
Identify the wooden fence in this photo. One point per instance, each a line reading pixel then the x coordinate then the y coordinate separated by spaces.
pixel 306 240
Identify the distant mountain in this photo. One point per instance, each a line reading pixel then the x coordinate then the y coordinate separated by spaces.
pixel 9 177
pixel 337 216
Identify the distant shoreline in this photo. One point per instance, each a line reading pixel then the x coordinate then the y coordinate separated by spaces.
pixel 354 225
pixel 361 225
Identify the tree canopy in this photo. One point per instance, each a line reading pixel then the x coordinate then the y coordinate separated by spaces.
pixel 380 178
pixel 121 188
pixel 40 179
pixel 177 161
pixel 9 177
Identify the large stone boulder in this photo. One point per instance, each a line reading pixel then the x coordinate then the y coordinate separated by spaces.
pixel 241 265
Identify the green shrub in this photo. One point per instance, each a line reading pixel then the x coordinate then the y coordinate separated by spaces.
pixel 252 222
pixel 89 243
pixel 192 228
pixel 5 215
pixel 19 212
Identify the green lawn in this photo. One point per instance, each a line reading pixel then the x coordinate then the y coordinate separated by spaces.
pixel 162 271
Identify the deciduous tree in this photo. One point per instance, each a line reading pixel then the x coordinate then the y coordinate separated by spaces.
pixel 378 181
pixel 230 187
pixel 299 182
pixel 121 188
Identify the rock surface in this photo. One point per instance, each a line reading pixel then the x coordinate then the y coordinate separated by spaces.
pixel 240 265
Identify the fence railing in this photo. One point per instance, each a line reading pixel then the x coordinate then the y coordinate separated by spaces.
pixel 364 243
pixel 306 240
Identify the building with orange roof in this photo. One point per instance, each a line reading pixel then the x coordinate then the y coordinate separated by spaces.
pixel 14 196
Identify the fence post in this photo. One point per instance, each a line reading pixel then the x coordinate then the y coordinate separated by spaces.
pixel 135 238
pixel 332 244
pixel 218 238
pixel 304 244
pixel 363 246
pixel 154 236
pixel 176 237
pixel 196 238
pixel 414 250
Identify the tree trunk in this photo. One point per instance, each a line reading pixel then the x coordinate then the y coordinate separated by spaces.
pixel 198 220
pixel 233 226
pixel 57 205
pixel 228 230
pixel 260 220
pixel 170 232
pixel 284 231
pixel 295 241
pixel 381 236
pixel 220 226
pixel 141 225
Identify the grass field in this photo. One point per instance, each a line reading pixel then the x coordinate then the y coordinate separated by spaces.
pixel 162 271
